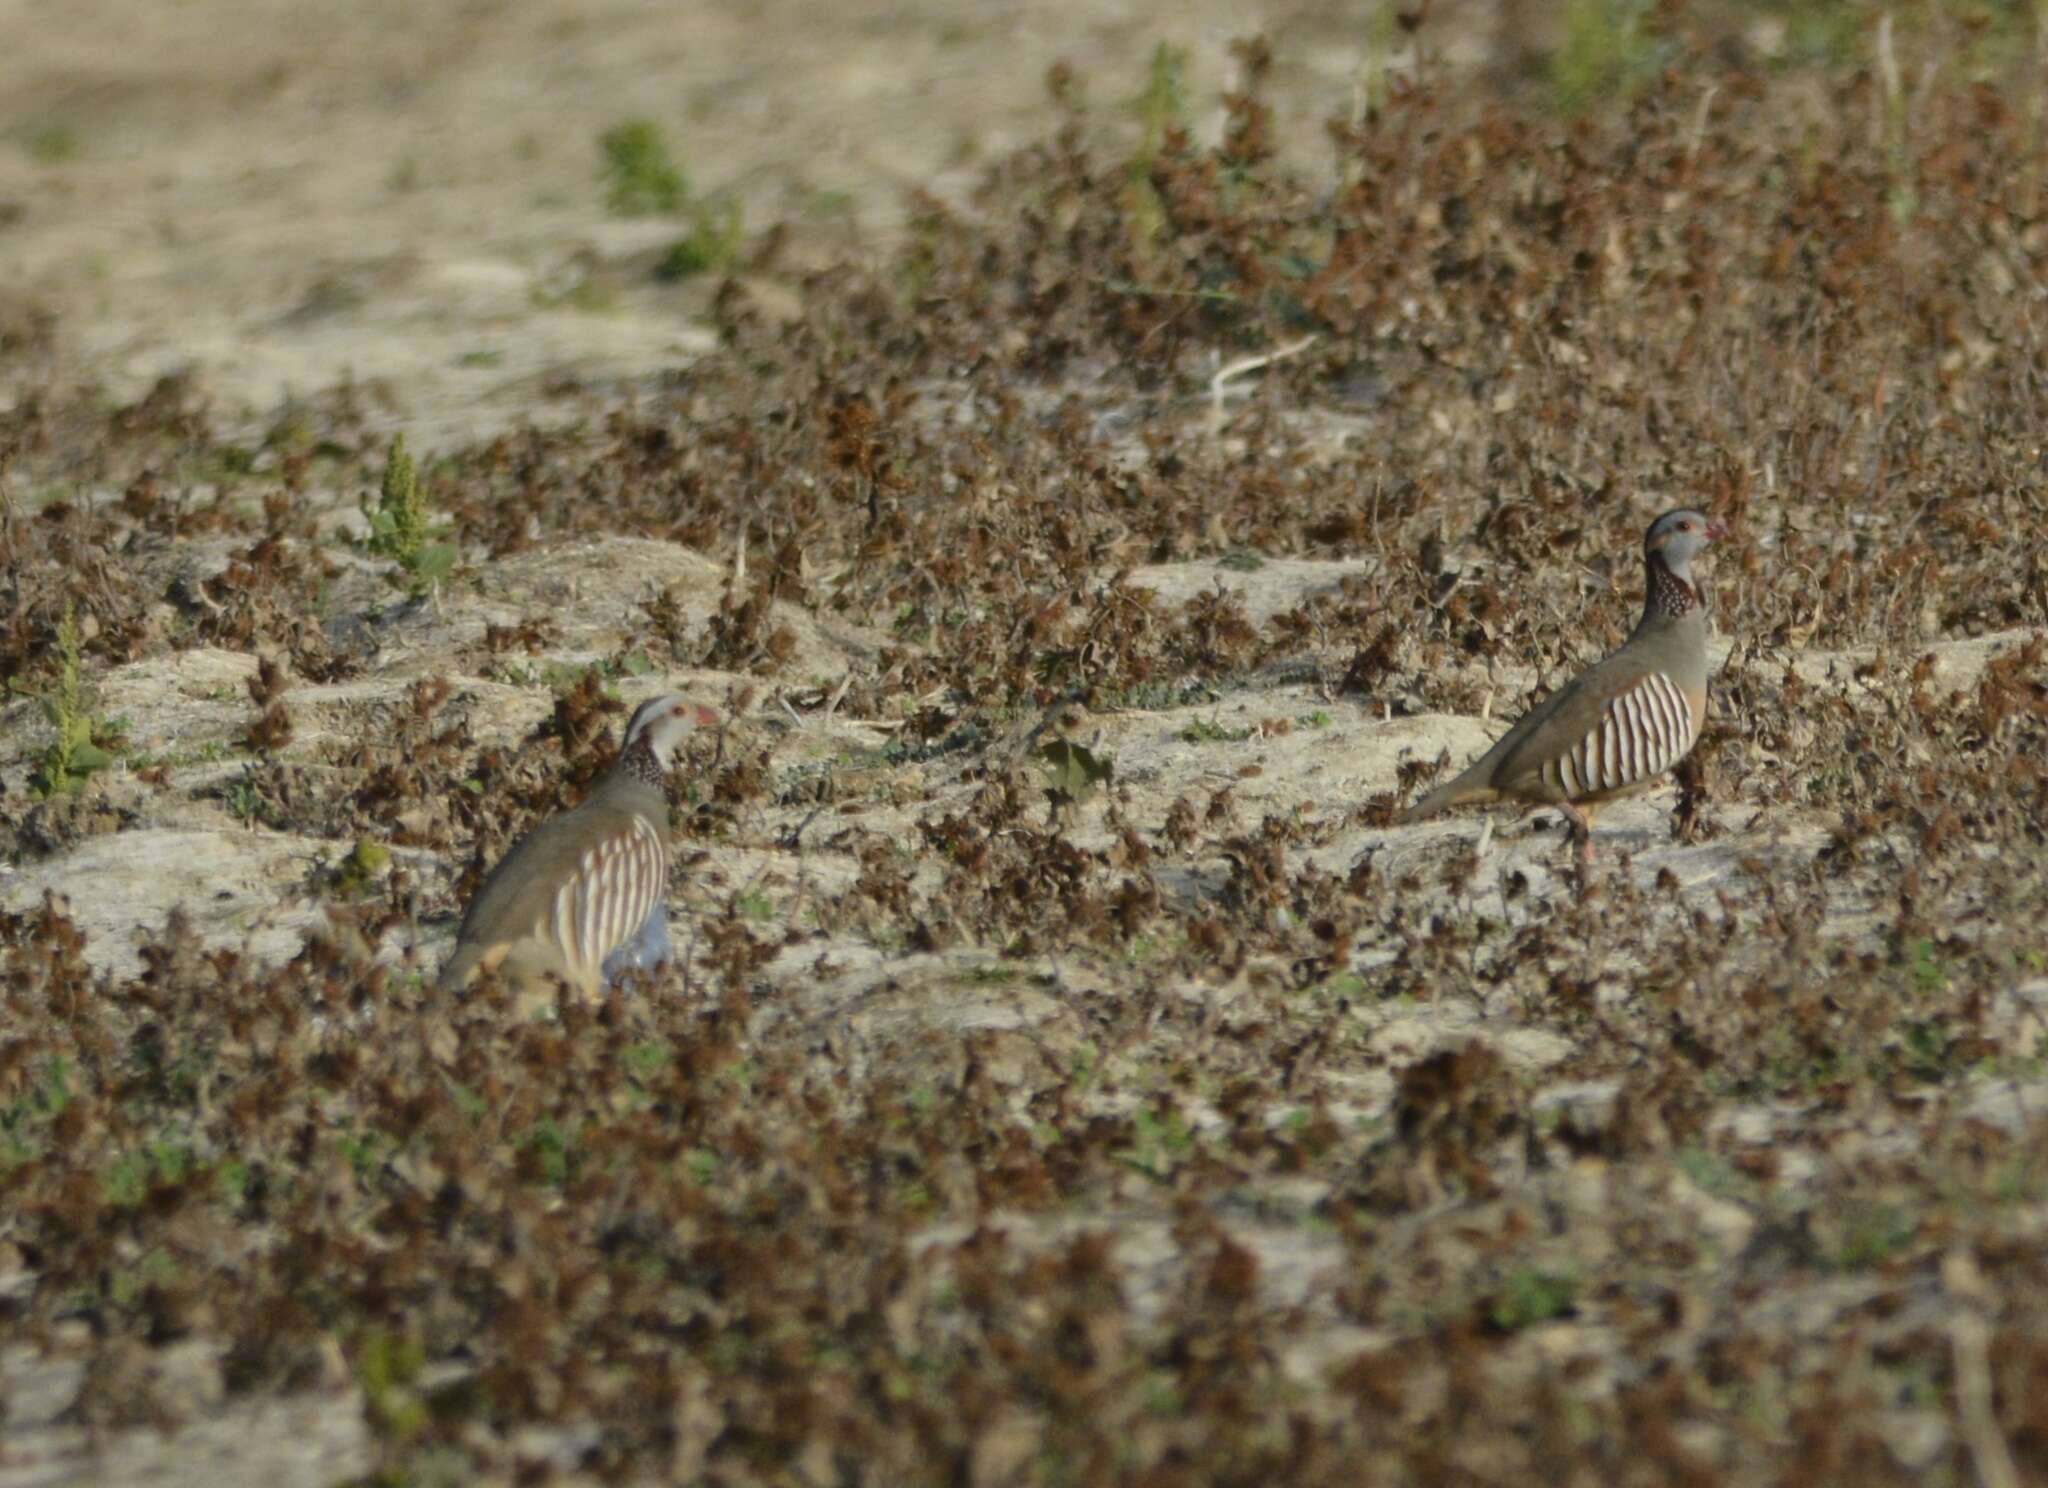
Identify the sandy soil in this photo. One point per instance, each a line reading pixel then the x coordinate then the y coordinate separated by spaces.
pixel 283 196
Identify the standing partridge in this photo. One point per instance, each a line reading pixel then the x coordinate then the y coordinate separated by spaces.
pixel 582 897
pixel 1616 728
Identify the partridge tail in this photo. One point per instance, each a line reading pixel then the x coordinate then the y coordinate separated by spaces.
pixel 1460 792
pixel 460 968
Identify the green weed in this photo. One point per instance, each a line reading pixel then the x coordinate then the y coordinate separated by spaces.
pixel 1608 52
pixel 53 145
pixel 641 177
pixel 991 976
pixel 1872 1234
pixel 711 246
pixel 1532 1296
pixel 360 870
pixel 244 800
pixel 129 1181
pixel 1161 109
pixel 23 1120
pixel 1157 1144
pixel 400 529
pixel 77 751
pixel 388 1368
pixel 1076 770
pixel 1925 967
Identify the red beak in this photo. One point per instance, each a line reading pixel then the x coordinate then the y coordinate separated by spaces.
pixel 1715 531
pixel 706 717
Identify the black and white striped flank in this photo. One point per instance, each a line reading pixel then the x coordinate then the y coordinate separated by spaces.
pixel 616 885
pixel 1642 732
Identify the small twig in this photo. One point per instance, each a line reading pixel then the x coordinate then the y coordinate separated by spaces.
pixel 689 956
pixel 1699 124
pixel 832 704
pixel 1969 1340
pixel 1242 365
pixel 1166 292
pixel 1886 105
pixel 793 840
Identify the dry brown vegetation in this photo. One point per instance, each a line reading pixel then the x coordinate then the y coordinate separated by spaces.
pixel 1195 1126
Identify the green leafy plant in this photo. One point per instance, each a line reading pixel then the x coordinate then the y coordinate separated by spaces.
pixel 550 1153
pixel 1076 770
pixel 1161 108
pixel 1532 1296
pixel 129 1180
pixel 358 872
pixel 53 144
pixel 1868 1234
pixel 388 1368
pixel 25 1120
pixel 712 244
pixel 1158 1144
pixel 641 177
pixel 400 529
pixel 1925 964
pixel 77 751
pixel 244 800
pixel 1608 51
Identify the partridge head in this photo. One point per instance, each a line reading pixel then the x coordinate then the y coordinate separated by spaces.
pixel 581 898
pixel 1619 726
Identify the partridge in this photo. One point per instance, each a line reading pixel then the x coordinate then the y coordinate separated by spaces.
pixel 581 898
pixel 1616 728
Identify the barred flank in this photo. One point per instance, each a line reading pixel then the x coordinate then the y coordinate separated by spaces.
pixel 1642 733
pixel 615 887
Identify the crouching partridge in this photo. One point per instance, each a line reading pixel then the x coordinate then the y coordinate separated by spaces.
pixel 1616 728
pixel 582 898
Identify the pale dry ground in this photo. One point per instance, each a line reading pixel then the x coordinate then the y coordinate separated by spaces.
pixel 284 195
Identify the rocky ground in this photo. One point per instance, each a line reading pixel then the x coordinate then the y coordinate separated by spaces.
pixel 1105 501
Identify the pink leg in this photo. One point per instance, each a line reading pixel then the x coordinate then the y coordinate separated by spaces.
pixel 1581 829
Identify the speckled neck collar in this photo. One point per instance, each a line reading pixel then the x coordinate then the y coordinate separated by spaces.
pixel 637 762
pixel 1669 597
